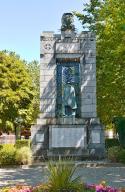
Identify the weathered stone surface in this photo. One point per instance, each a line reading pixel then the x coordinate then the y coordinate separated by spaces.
pixel 67 135
pixel 88 108
pixel 74 136
pixel 89 89
pixel 67 47
pixel 90 67
pixel 47 60
pixel 47 47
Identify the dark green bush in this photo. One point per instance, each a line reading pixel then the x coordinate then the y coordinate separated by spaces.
pixel 122 156
pixel 111 142
pixel 1 146
pixel 113 153
pixel 7 155
pixel 22 143
pixel 116 154
pixel 119 123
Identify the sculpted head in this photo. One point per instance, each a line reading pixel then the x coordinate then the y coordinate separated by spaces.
pixel 67 22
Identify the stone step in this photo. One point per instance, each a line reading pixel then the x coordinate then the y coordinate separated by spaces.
pixel 85 163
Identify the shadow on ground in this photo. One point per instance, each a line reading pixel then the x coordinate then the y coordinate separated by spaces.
pixel 27 176
pixel 114 176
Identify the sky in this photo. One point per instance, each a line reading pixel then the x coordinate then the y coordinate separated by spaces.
pixel 22 21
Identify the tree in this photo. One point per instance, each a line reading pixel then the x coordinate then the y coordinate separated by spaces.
pixel 16 92
pixel 107 19
pixel 34 71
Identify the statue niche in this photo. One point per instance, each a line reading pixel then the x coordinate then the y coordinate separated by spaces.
pixel 68 89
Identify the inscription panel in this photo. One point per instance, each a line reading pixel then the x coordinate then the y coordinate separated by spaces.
pixel 39 138
pixel 68 137
pixel 67 47
pixel 95 136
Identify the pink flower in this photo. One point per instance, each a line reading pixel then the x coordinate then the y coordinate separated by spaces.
pixel 100 188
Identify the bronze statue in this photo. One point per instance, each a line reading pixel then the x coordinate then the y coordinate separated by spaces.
pixel 67 22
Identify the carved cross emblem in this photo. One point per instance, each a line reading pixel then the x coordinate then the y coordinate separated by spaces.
pixel 48 46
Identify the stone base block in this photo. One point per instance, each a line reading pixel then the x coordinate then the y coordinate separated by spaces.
pixel 39 141
pixel 67 141
pixel 79 141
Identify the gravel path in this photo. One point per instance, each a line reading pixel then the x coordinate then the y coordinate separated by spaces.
pixel 114 176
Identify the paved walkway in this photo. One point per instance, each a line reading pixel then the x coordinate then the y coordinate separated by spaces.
pixel 114 176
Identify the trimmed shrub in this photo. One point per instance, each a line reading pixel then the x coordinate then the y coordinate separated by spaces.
pixel 111 143
pixel 8 154
pixel 120 129
pixel 113 153
pixel 22 143
pixel 122 156
pixel 24 156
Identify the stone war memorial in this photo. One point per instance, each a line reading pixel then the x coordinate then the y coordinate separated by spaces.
pixel 67 125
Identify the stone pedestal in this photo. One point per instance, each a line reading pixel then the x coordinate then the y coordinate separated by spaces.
pixel 75 138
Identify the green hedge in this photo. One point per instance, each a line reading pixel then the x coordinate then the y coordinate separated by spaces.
pixel 1 146
pixel 7 154
pixel 122 156
pixel 11 155
pixel 111 143
pixel 24 156
pixel 22 143
pixel 116 154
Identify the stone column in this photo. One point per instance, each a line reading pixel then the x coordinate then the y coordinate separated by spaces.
pixel 88 75
pixel 47 75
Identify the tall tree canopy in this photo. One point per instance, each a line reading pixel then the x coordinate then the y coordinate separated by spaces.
pixel 16 92
pixel 34 71
pixel 107 19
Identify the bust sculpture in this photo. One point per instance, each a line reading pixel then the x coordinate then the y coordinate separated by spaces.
pixel 67 22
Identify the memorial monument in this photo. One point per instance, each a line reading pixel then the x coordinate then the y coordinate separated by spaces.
pixel 68 123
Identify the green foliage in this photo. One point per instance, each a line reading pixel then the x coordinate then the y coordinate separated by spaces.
pixel 5 189
pixel 90 16
pixel 107 19
pixel 1 146
pixel 61 177
pixel 22 143
pixel 16 92
pixel 7 154
pixel 122 156
pixel 10 155
pixel 116 154
pixel 24 156
pixel 34 71
pixel 113 153
pixel 111 143
pixel 120 129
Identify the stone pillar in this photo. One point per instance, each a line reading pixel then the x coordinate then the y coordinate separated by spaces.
pixel 88 77
pixel 47 75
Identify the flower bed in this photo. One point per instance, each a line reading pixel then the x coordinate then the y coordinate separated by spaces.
pixel 102 187
pixel 18 188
